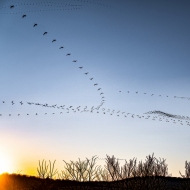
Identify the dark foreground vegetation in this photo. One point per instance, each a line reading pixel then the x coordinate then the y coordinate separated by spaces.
pixel 23 182
pixel 149 175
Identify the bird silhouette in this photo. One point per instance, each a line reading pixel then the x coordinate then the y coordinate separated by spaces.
pixel 54 40
pixel 44 33
pixel 80 67
pixel 23 16
pixel 96 84
pixel 3 102
pixel 136 92
pixel 68 54
pixel 119 91
pixel 21 102
pixel 35 25
pixel 86 73
pixel 99 88
pixel 12 6
pixel 12 103
pixel 75 61
pixel 61 47
pixel 101 93
pixel 91 78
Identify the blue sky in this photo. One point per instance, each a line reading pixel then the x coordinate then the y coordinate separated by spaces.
pixel 136 46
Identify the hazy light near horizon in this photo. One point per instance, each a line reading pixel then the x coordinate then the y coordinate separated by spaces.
pixel 5 163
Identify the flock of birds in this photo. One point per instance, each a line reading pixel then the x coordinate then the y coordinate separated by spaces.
pixel 65 7
pixel 160 116
pixel 54 4
pixel 159 95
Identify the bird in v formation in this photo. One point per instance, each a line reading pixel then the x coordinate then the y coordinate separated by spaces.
pixel 35 24
pixel 67 55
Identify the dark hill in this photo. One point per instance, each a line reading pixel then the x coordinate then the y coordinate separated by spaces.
pixel 23 182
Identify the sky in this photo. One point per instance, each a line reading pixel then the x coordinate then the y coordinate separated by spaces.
pixel 134 52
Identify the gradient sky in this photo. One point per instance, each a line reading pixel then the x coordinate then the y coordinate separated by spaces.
pixel 125 46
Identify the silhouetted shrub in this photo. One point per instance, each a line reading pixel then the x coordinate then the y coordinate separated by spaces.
pixel 187 170
pixel 151 167
pixel 43 171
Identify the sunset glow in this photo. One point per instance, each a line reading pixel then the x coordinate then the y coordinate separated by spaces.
pixel 99 77
pixel 5 164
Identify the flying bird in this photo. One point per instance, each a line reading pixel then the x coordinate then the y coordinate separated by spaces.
pixel 3 102
pixel 54 40
pixel 101 93
pixel 99 88
pixel 23 16
pixel 44 33
pixel 80 67
pixel 21 102
pixel 35 25
pixel 91 78
pixel 75 61
pixel 95 84
pixel 12 6
pixel 12 102
pixel 68 54
pixel 61 47
pixel 86 73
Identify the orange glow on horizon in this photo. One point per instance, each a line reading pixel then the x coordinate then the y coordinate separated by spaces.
pixel 5 164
